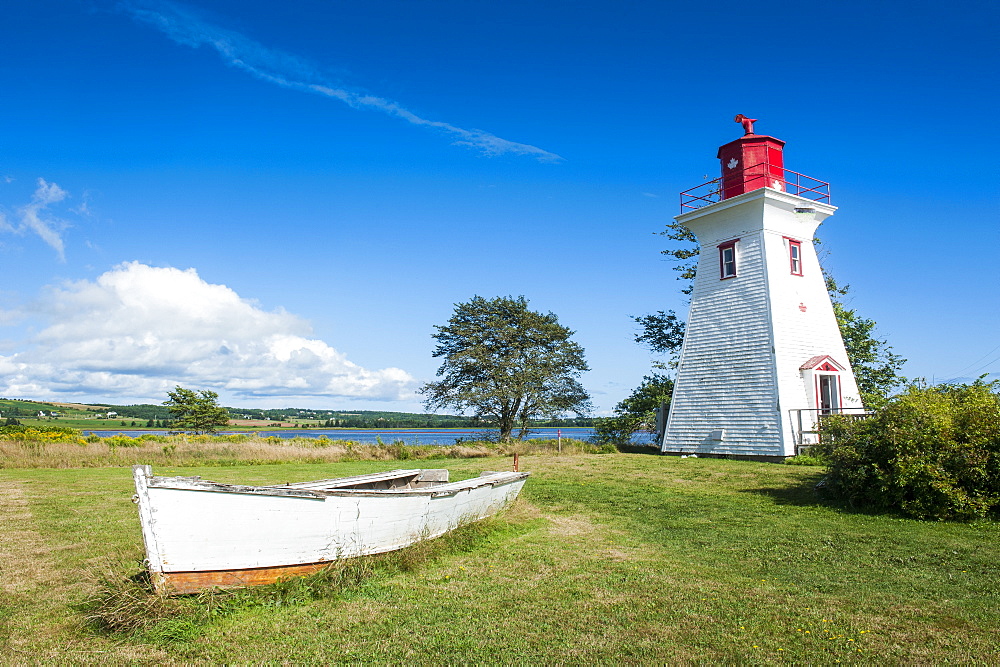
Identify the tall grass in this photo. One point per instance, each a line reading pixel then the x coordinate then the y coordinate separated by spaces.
pixel 124 603
pixel 229 450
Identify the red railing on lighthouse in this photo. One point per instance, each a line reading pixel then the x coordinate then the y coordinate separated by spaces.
pixel 761 175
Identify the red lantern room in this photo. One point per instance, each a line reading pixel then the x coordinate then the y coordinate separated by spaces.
pixel 751 162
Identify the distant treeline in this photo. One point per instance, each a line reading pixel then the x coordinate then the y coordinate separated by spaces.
pixel 158 416
pixel 403 420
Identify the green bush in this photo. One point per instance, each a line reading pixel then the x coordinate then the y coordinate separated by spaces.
pixel 616 431
pixel 636 413
pixel 40 434
pixel 806 460
pixel 122 440
pixel 15 429
pixel 931 453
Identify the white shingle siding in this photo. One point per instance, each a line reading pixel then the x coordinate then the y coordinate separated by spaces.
pixel 747 336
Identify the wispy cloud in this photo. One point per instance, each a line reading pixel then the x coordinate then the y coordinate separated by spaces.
pixel 185 26
pixel 35 217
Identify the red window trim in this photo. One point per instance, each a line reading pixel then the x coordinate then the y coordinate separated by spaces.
pixel 791 261
pixel 722 265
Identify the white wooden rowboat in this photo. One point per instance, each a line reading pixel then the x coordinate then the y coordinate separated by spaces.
pixel 200 534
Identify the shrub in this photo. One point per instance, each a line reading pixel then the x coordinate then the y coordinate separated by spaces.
pixel 806 460
pixel 634 414
pixel 39 434
pixel 616 431
pixel 931 453
pixel 122 440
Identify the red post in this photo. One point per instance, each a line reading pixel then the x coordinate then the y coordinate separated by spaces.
pixel 515 462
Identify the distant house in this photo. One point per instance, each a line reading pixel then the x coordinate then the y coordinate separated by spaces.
pixel 112 414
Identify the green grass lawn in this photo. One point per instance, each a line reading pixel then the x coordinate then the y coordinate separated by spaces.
pixel 604 558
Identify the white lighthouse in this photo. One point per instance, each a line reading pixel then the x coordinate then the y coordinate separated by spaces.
pixel 763 357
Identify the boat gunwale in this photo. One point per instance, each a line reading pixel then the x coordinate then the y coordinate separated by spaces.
pixel 343 482
pixel 434 491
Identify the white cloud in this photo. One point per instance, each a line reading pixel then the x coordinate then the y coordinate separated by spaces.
pixel 185 27
pixel 36 217
pixel 137 331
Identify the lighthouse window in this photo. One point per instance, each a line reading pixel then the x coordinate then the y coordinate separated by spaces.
pixel 795 257
pixel 727 260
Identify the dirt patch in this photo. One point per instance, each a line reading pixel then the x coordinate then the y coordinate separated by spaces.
pixel 24 562
pixel 31 584
pixel 522 510
pixel 571 526
pixel 77 406
pixel 263 423
pixel 25 569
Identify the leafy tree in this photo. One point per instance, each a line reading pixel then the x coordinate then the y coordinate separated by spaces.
pixel 508 364
pixel 637 412
pixel 875 366
pixel 663 333
pixel 931 453
pixel 196 410
pixel 685 255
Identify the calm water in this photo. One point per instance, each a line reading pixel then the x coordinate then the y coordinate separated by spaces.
pixel 410 436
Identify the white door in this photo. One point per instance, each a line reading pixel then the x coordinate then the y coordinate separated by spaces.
pixel 829 394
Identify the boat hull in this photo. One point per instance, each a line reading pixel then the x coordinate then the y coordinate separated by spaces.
pixel 184 583
pixel 202 535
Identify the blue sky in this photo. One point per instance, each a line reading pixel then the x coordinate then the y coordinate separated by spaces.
pixel 280 201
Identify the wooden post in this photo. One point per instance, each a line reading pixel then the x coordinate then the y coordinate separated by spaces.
pixel 515 462
pixel 559 440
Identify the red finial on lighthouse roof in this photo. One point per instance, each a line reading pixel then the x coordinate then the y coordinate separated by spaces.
pixel 746 122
